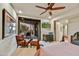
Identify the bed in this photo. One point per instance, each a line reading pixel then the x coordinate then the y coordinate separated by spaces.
pixel 59 49
pixel 76 42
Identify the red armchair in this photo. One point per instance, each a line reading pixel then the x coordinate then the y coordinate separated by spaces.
pixel 20 41
pixel 35 43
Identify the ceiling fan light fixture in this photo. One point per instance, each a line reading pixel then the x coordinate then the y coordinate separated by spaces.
pixel 49 10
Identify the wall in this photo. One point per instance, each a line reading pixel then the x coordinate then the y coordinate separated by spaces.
pixel 73 26
pixel 46 31
pixel 52 25
pixel 65 30
pixel 7 45
pixel 39 31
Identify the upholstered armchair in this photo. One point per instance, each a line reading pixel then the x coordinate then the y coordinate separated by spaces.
pixel 35 43
pixel 20 41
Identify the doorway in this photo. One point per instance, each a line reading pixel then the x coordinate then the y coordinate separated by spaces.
pixel 60 30
pixel 25 24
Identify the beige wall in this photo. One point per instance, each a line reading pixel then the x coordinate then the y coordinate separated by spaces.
pixel 73 26
pixel 8 44
pixel 52 25
pixel 46 31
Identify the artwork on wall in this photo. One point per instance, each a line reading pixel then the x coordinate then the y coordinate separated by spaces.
pixel 24 27
pixel 46 25
pixel 8 24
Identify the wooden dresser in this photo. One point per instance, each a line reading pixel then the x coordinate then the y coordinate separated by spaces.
pixel 48 38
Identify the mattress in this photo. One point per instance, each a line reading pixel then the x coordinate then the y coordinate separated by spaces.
pixel 59 49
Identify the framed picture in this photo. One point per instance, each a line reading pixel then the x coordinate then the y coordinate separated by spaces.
pixel 24 27
pixel 8 24
pixel 46 25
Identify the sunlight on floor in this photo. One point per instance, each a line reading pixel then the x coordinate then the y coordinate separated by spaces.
pixel 25 51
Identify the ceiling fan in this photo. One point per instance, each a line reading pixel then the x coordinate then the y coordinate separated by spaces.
pixel 50 8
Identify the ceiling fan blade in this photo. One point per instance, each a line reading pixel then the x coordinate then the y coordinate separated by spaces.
pixel 57 8
pixel 40 7
pixel 43 12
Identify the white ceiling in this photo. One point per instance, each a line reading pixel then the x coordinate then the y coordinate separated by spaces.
pixel 29 9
